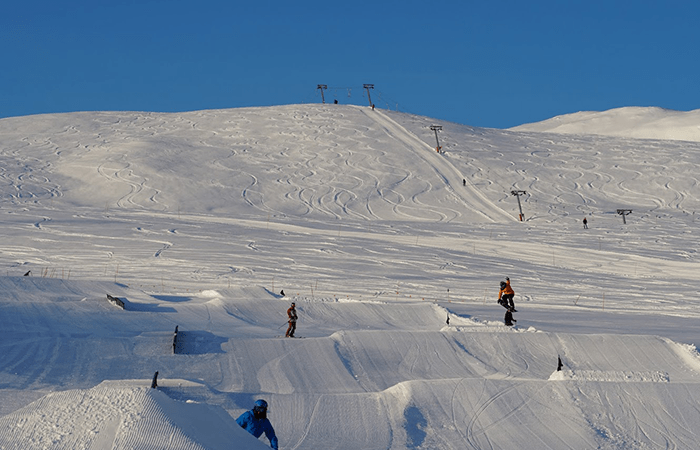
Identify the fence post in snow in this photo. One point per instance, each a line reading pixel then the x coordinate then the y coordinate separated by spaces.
pixel 175 341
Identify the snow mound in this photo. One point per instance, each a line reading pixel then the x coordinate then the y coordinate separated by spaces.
pixel 209 293
pixel 120 417
pixel 629 122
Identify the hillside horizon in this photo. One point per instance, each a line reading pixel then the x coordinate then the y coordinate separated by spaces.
pixel 630 122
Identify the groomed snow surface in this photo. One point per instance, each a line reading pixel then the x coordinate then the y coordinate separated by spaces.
pixel 198 220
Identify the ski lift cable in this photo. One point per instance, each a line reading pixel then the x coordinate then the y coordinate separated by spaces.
pixel 382 97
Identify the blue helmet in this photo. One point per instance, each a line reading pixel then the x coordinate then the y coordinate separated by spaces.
pixel 260 405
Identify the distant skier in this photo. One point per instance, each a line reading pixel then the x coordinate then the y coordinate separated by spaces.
pixel 585 224
pixel 506 294
pixel 464 182
pixel 508 319
pixel 292 314
pixel 256 422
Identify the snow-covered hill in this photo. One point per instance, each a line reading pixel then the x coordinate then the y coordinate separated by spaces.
pixel 198 220
pixel 630 122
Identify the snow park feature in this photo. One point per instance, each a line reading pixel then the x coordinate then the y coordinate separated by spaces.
pixel 212 223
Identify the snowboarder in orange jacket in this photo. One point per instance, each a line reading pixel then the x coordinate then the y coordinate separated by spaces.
pixel 506 294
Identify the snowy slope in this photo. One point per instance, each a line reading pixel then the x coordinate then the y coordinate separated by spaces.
pixel 199 220
pixel 630 122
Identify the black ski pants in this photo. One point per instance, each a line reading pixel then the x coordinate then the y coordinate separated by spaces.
pixel 506 300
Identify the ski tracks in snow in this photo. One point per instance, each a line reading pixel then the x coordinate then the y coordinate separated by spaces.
pixel 137 185
pixel 470 197
pixel 309 424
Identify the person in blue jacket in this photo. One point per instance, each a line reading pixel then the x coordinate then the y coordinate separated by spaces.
pixel 255 422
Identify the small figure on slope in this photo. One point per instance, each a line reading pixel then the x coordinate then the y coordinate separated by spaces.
pixel 292 314
pixel 508 319
pixel 585 223
pixel 506 294
pixel 256 422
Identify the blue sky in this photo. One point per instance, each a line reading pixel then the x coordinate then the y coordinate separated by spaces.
pixel 493 63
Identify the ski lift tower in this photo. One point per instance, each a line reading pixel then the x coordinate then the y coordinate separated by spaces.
pixel 518 194
pixel 437 128
pixel 368 87
pixel 623 213
pixel 321 87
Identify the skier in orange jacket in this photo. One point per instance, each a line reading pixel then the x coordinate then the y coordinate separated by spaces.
pixel 292 314
pixel 506 294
